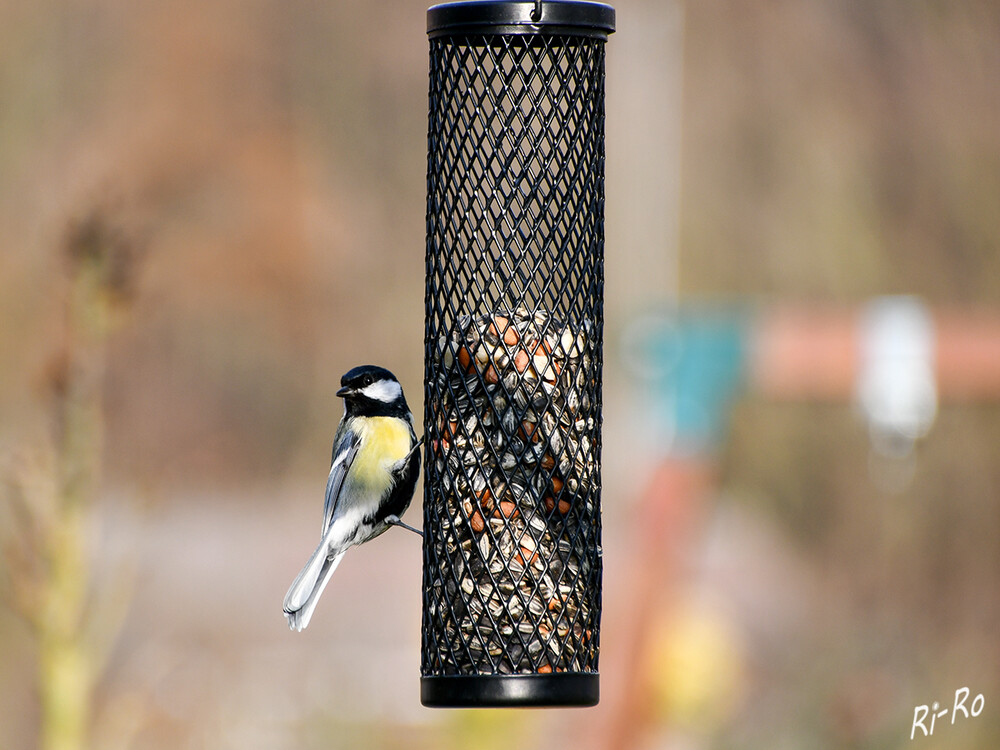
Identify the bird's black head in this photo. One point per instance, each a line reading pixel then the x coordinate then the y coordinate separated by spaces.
pixel 372 391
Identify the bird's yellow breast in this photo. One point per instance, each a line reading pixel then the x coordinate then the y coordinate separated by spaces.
pixel 384 441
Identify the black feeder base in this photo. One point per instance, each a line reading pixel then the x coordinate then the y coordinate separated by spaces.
pixel 505 691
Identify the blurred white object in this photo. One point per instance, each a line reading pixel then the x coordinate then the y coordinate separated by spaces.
pixel 896 387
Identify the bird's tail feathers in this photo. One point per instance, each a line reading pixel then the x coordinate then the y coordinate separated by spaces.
pixel 304 593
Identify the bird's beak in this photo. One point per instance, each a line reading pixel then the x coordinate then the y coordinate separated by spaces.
pixel 345 391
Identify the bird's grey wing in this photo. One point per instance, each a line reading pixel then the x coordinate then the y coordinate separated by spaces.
pixel 344 452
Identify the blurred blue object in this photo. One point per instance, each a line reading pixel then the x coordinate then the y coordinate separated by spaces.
pixel 693 363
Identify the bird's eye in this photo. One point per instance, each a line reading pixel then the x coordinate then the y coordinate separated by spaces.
pixel 367 380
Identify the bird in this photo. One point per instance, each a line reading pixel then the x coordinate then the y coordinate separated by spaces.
pixel 373 472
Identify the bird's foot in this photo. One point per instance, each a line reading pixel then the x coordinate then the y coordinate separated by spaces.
pixel 394 520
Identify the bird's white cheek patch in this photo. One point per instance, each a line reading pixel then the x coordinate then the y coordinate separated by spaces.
pixel 383 390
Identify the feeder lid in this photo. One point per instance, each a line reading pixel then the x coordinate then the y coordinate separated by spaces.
pixel 551 17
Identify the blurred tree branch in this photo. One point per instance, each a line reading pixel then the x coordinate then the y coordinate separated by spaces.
pixel 52 496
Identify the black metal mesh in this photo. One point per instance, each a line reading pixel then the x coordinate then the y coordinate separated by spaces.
pixel 513 355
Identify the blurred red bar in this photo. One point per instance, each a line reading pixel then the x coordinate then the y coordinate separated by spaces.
pixel 804 353
pixel 809 353
pixel 967 363
pixel 670 518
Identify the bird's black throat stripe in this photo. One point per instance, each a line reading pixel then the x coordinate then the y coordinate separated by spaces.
pixel 359 405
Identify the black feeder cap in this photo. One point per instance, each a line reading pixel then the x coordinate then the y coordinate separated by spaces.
pixel 554 18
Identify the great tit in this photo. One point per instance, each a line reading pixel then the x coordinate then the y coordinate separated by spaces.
pixel 373 473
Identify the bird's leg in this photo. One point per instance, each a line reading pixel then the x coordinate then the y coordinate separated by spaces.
pixel 394 520
pixel 400 465
pixel 415 446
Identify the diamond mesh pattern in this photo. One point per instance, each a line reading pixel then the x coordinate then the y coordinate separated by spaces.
pixel 513 342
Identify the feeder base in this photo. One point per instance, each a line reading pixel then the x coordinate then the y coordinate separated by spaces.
pixel 510 691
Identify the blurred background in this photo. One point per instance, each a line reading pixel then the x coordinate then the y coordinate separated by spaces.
pixel 210 210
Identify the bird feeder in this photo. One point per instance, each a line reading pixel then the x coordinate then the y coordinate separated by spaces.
pixel 513 354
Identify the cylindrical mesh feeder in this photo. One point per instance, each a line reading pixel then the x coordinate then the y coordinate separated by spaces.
pixel 513 353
